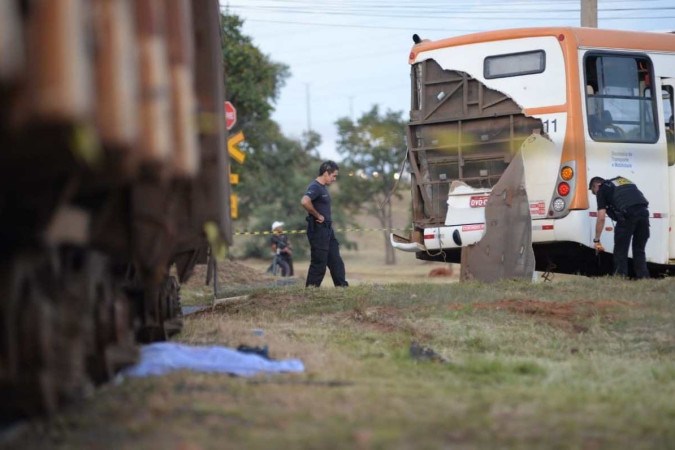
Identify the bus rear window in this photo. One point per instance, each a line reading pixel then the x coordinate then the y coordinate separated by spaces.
pixel 514 64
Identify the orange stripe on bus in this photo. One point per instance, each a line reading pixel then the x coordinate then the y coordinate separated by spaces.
pixel 580 37
pixel 545 110
pixel 574 146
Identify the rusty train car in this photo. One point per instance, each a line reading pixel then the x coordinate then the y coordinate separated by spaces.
pixel 113 167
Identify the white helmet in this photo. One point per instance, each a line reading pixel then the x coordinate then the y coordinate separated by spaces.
pixel 276 225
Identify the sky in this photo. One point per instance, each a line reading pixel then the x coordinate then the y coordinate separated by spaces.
pixel 345 56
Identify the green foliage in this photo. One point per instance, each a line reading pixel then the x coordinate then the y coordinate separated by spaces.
pixel 277 169
pixel 273 180
pixel 252 80
pixel 373 147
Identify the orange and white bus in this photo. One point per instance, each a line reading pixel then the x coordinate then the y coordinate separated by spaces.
pixel 574 103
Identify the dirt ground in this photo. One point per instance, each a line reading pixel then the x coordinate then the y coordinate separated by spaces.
pixel 229 273
pixel 463 365
pixel 567 316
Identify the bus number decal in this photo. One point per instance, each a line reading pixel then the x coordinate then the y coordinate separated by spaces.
pixel 478 201
pixel 553 125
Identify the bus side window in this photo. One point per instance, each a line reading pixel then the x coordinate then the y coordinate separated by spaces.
pixel 668 110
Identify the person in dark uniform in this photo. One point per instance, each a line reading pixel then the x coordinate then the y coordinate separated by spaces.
pixel 325 248
pixel 622 201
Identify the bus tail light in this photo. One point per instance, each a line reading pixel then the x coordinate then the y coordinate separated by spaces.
pixel 564 189
pixel 559 204
pixel 566 173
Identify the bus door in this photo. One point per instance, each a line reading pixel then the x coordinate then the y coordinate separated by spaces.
pixel 667 91
pixel 623 117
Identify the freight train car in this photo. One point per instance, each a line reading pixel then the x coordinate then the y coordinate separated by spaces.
pixel 112 168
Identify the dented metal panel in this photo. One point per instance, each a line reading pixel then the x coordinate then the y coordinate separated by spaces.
pixel 461 131
pixel 506 249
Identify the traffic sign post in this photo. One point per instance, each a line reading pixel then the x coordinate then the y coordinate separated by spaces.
pixel 230 115
pixel 232 148
pixel 234 152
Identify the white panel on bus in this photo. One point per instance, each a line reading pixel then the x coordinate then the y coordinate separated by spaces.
pixel 529 91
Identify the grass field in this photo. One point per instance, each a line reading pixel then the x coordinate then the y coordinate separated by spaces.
pixel 403 361
pixel 578 363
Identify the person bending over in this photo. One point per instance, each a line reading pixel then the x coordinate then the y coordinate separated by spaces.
pixel 621 200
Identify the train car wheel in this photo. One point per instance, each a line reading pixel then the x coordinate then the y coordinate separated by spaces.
pixel 111 341
pixel 172 312
pixel 27 374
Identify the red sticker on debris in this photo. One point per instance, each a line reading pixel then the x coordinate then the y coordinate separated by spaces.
pixel 478 201
pixel 473 227
pixel 538 208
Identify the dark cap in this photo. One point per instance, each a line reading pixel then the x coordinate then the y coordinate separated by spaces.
pixel 595 180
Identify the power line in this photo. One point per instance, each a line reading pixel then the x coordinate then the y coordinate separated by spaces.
pixel 347 25
pixel 476 10
pixel 448 30
pixel 361 4
pixel 468 15
pixel 341 10
pixel 339 42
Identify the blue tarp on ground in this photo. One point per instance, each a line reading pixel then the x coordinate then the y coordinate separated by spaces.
pixel 163 357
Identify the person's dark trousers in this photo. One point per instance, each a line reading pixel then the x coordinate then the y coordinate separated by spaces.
pixel 289 260
pixel 635 226
pixel 335 263
pixel 325 253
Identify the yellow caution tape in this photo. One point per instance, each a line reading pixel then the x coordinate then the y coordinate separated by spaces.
pixel 262 233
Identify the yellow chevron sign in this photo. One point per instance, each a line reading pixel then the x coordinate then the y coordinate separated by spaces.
pixel 239 156
pixel 232 143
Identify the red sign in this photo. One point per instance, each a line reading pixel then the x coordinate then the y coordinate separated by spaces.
pixel 478 201
pixel 230 115
pixel 538 208
pixel 473 227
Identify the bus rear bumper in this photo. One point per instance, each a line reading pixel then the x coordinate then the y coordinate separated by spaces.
pixel 405 244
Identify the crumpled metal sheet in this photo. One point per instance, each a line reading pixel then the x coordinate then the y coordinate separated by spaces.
pixel 505 252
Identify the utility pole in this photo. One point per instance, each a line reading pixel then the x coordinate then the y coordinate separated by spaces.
pixel 351 107
pixel 589 13
pixel 309 113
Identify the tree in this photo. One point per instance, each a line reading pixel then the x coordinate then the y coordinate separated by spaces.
pixel 373 148
pixel 277 169
pixel 275 177
pixel 252 80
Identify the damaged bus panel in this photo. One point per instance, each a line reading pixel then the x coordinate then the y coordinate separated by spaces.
pixel 537 112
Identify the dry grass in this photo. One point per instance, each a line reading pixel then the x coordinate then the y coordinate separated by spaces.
pixel 549 365
pixel 577 363
pixel 368 268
